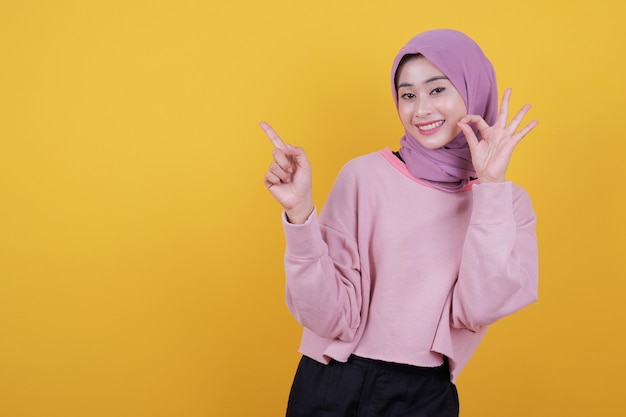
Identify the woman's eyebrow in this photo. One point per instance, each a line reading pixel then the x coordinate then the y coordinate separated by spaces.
pixel 436 78
pixel 430 80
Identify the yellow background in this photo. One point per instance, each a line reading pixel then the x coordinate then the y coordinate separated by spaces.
pixel 141 256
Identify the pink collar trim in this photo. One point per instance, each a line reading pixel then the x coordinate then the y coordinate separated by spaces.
pixel 401 166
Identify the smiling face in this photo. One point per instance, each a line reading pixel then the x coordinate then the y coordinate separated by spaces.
pixel 428 104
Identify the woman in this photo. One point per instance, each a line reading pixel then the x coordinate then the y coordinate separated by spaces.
pixel 416 252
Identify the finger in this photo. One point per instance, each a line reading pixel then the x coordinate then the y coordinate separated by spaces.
pixel 503 115
pixel 274 138
pixel 471 138
pixel 530 126
pixel 476 120
pixel 517 120
pixel 278 172
pixel 283 160
pixel 271 179
pixel 299 157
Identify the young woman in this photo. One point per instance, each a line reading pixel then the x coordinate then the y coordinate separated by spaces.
pixel 415 252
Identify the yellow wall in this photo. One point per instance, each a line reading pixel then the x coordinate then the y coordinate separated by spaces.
pixel 141 256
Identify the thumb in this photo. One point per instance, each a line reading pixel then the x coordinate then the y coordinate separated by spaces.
pixel 299 156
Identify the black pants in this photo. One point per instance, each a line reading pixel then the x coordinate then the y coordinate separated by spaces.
pixel 370 388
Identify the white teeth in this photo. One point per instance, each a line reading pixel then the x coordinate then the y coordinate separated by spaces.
pixel 431 126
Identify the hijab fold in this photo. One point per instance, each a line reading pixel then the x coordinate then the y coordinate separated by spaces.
pixel 450 168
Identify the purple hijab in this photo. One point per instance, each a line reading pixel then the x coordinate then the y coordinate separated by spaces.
pixel 463 62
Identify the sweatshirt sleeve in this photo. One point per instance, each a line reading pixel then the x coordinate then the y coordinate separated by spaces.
pixel 324 293
pixel 499 265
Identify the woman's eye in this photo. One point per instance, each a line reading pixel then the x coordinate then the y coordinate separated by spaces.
pixel 407 96
pixel 438 90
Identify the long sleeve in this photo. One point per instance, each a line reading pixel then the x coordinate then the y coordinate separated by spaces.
pixel 324 293
pixel 499 264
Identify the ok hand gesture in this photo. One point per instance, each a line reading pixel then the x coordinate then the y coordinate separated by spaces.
pixel 491 154
pixel 289 178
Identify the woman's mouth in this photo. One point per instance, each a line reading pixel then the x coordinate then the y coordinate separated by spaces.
pixel 429 128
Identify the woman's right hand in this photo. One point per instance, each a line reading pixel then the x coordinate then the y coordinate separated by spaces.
pixel 289 178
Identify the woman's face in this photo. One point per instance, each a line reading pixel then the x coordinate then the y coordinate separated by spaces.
pixel 428 104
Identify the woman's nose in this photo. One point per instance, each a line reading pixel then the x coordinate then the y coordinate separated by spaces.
pixel 422 107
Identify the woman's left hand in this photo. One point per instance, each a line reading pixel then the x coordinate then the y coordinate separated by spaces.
pixel 492 153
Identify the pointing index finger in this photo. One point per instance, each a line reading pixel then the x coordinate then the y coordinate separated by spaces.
pixel 274 138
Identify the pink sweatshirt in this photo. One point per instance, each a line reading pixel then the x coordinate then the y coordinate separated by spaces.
pixel 398 271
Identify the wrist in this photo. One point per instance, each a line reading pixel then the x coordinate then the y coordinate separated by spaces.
pixel 485 178
pixel 300 213
pixel 490 180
